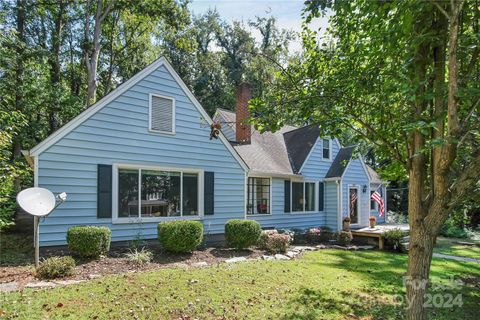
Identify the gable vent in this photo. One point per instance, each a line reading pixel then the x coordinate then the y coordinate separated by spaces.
pixel 162 114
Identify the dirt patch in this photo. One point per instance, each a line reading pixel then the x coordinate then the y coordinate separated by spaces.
pixel 116 263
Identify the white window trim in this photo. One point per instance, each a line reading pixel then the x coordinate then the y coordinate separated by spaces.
pixel 271 198
pixel 330 151
pixel 150 96
pixel 314 197
pixel 359 203
pixel 119 220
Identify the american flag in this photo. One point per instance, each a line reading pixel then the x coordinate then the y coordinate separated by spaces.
pixel 377 197
pixel 353 202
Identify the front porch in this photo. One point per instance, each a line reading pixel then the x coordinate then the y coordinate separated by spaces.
pixel 379 231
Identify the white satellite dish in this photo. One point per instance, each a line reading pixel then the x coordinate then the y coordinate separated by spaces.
pixel 38 202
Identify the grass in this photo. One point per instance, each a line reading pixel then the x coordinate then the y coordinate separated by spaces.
pixel 451 247
pixel 328 284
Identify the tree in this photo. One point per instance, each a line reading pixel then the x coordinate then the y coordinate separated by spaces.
pixel 404 76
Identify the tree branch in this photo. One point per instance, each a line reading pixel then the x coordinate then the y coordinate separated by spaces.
pixel 441 9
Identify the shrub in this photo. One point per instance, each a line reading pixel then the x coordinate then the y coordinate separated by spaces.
pixel 274 242
pixel 344 237
pixel 55 267
pixel 452 230
pixel 180 235
pixel 89 241
pixel 262 242
pixel 393 237
pixel 241 234
pixel 139 257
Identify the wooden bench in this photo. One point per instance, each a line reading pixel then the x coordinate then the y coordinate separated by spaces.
pixel 370 235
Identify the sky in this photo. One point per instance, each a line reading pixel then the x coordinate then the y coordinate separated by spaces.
pixel 287 12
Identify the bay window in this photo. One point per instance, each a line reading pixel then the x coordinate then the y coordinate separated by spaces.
pixel 258 196
pixel 157 193
pixel 303 196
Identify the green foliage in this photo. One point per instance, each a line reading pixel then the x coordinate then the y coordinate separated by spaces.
pixel 242 234
pixel 274 242
pixel 89 241
pixel 139 257
pixel 10 124
pixel 451 229
pixel 393 237
pixel 180 236
pixel 55 267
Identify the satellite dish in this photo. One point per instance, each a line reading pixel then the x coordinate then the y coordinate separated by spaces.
pixel 38 202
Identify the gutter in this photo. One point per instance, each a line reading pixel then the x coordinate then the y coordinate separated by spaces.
pixel 253 173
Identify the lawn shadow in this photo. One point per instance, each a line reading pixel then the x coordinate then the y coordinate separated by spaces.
pixel 316 304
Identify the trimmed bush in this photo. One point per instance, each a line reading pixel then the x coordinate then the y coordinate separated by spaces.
pixel 393 238
pixel 241 234
pixel 89 241
pixel 180 235
pixel 274 242
pixel 55 267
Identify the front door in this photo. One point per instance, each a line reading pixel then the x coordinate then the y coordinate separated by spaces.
pixel 353 205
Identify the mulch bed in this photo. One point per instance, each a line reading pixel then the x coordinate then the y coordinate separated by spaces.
pixel 116 263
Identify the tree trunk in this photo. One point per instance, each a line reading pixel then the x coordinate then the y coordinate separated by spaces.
pixel 54 61
pixel 20 42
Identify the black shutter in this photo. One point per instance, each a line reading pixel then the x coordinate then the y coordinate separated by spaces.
pixel 321 194
pixel 209 186
pixel 287 196
pixel 104 191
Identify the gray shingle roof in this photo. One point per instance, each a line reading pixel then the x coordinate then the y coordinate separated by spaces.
pixel 267 152
pixel 374 176
pixel 340 163
pixel 299 142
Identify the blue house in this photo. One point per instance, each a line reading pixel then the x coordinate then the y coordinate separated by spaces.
pixel 143 154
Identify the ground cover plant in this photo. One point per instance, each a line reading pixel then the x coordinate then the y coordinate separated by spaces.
pixel 327 284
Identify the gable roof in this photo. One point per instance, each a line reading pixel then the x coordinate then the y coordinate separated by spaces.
pixel 340 163
pixel 75 122
pixel 299 143
pixel 267 153
pixel 374 176
pixel 228 116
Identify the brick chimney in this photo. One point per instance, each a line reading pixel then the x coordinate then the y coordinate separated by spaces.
pixel 243 129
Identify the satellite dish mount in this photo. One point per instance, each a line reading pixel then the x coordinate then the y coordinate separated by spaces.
pixel 39 202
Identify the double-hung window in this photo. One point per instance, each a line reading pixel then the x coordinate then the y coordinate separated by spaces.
pixel 258 196
pixel 303 196
pixel 157 193
pixel 326 148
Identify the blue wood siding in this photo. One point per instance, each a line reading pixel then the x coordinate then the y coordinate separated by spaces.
pixel 118 133
pixel 285 220
pixel 331 204
pixel 314 170
pixel 355 175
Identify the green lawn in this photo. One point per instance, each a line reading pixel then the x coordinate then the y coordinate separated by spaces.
pixel 450 246
pixel 328 284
